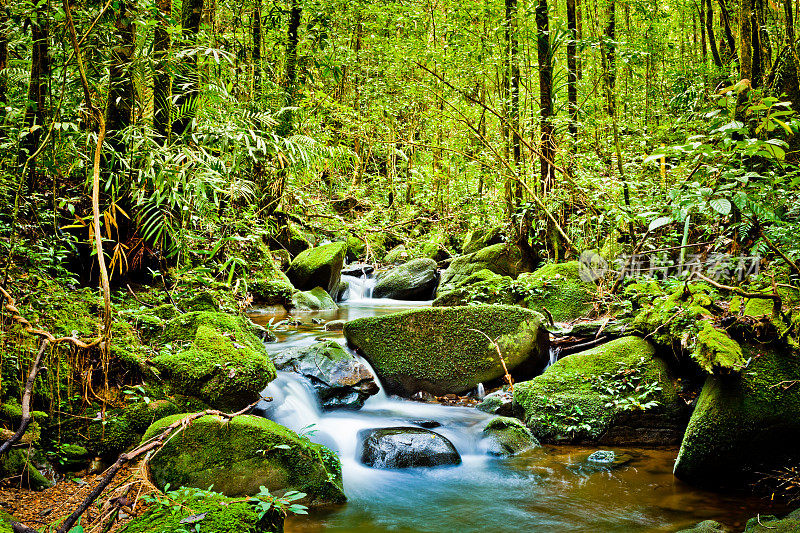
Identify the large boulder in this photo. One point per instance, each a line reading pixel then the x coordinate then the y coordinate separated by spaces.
pixel 18 464
pixel 318 267
pixel 504 259
pixel 450 349
pixel 210 512
pixel 405 447
pixel 508 436
pixel 772 524
pixel 482 237
pixel 743 423
pixel 240 455
pixel 225 365
pixel 339 379
pixel 617 393
pixel 317 299
pixel 556 287
pixel 415 280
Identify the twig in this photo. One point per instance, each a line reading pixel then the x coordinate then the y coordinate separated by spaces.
pixel 549 316
pixel 133 294
pixel 500 355
pixel 778 251
pixel 777 303
pixel 26 401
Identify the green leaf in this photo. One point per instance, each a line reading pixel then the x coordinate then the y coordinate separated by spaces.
pixel 721 206
pixel 659 222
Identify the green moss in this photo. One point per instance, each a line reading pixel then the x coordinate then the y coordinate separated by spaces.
pixel 706 526
pixel 715 350
pixel 318 267
pixel 184 328
pixel 415 280
pixel 5 522
pixel 508 436
pixel 16 463
pixel 441 349
pixel 503 259
pixel 218 514
pixel 240 455
pixel 201 301
pixel 743 422
pixel 221 368
pixel 771 524
pixel 484 286
pixel 479 238
pixel 398 254
pixel 316 299
pixel 558 288
pixel 583 396
pixel 272 292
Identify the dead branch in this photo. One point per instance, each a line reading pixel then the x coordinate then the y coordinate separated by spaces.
pixel 26 401
pixel 500 355
pixel 777 302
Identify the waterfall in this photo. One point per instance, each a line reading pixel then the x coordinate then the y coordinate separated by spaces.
pixel 359 288
pixel 554 353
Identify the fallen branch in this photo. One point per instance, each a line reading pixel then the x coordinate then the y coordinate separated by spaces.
pixel 500 355
pixel 777 302
pixel 151 444
pixel 26 401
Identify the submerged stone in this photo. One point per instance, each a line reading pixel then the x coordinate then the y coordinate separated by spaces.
pixel 405 447
pixel 604 457
pixel 449 350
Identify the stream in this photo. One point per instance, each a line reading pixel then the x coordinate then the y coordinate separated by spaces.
pixel 551 488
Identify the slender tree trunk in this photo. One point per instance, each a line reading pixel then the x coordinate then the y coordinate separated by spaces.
pixel 710 31
pixel 256 96
pixel 610 71
pixel 161 78
pixel 189 86
pixel 746 40
pixel 545 95
pixel 572 70
pixel 36 110
pixel 729 50
pixel 290 74
pixel 119 110
pixel 3 67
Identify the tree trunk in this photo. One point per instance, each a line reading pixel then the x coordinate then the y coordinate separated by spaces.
pixel 256 96
pixel 190 83
pixel 610 71
pixel 3 67
pixel 290 75
pixel 710 31
pixel 161 78
pixel 36 110
pixel 545 95
pixel 746 40
pixel 729 50
pixel 572 70
pixel 119 110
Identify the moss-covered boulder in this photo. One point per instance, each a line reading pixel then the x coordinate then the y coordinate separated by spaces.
pixel 188 509
pixel 706 526
pixel 743 423
pixel 398 254
pixel 508 436
pixel 5 522
pixel 482 287
pixel 318 267
pixel 503 259
pixel 415 280
pixel 449 349
pixel 772 524
pixel 17 464
pixel 238 456
pixel 226 365
pixel 317 299
pixel 340 379
pixel 479 238
pixel 618 393
pixel 291 239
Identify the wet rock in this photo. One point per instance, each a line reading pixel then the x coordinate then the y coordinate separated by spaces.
pixel 603 457
pixel 316 299
pixel 318 267
pixel 405 447
pixel 617 393
pixel 423 396
pixel 239 455
pixel 358 270
pixel 771 524
pixel 339 379
pixel 427 424
pixel 743 423
pixel 499 402
pixel 334 325
pixel 415 280
pixel 342 291
pixel 508 436
pixel 601 461
pixel 706 526
pixel 448 350
pixel 503 259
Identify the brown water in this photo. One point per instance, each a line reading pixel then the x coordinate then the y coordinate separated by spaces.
pixel 552 488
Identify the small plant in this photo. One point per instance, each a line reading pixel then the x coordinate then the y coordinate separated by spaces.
pixel 626 388
pixel 136 394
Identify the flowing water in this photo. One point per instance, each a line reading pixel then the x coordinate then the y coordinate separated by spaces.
pixel 552 488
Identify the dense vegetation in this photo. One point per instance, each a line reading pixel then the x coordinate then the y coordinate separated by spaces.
pixel 152 148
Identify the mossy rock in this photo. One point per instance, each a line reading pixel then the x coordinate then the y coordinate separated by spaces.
pixel 317 299
pixel 220 368
pixel 201 301
pixel 5 522
pixel 715 350
pixel 183 329
pixel 444 350
pixel 558 287
pixel 771 524
pixel 482 237
pixel 238 456
pixel 205 512
pixel 484 286
pixel 17 463
pixel 743 423
pixel 706 526
pixel 271 292
pixel 503 259
pixel 508 436
pixel 291 239
pixel 318 267
pixel 415 280
pixel 596 395
pixel 398 254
